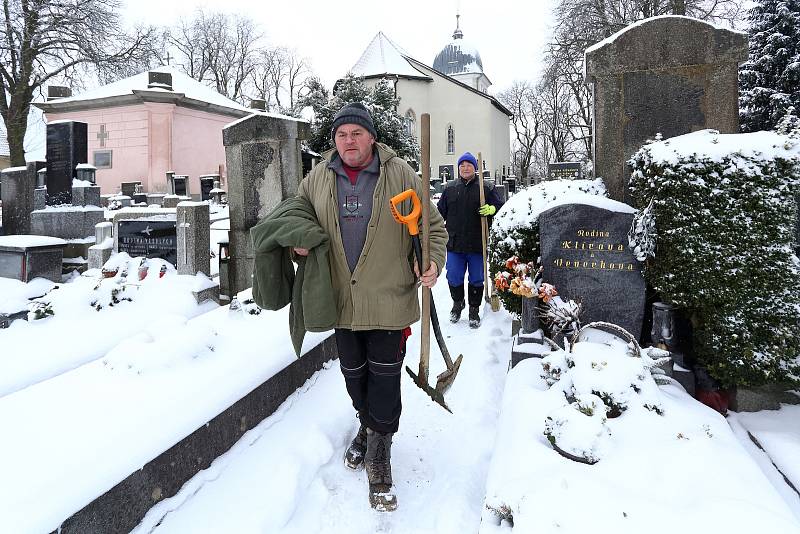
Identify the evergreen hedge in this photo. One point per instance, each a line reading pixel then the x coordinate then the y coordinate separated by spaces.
pixel 725 216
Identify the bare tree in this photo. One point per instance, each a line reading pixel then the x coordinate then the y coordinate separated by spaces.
pixel 521 98
pixel 279 77
pixel 219 49
pixel 43 40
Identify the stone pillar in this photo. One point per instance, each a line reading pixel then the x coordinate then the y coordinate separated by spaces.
pixel 667 75
pixel 264 167
pixel 17 186
pixel 194 238
pixel 104 245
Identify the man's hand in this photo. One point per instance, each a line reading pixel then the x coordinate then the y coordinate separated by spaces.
pixel 487 210
pixel 301 251
pixel 429 277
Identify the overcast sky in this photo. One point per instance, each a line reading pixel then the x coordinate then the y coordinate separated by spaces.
pixel 509 34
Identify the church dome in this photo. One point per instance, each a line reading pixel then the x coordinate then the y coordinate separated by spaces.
pixel 458 56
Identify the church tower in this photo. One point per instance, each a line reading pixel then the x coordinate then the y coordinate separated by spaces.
pixel 459 59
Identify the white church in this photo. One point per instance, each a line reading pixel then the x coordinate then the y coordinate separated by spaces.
pixel 464 117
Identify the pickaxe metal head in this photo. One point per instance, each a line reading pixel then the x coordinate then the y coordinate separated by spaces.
pixel 435 395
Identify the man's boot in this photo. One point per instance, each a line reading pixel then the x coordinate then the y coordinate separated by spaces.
pixel 457 294
pixel 379 471
pixel 354 455
pixel 475 295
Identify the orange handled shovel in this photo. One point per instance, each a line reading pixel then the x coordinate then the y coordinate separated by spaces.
pixel 446 378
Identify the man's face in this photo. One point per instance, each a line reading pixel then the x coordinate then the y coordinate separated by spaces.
pixel 354 144
pixel 466 170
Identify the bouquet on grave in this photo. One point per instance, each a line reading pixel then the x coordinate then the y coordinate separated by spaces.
pixel 519 277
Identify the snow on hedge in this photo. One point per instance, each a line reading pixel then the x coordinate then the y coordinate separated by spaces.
pixel 725 214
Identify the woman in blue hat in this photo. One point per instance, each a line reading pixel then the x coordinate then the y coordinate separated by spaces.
pixel 461 209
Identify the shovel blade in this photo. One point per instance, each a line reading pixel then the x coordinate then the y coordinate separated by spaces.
pixel 435 395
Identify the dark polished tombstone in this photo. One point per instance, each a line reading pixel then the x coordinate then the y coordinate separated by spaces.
pixel 586 257
pixel 129 188
pixel 206 185
pixel 66 149
pixel 179 183
pixel 153 238
pixel 564 170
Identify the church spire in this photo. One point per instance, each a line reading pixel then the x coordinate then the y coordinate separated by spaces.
pixel 457 34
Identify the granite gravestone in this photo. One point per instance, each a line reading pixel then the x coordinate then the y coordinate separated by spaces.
pixel 564 170
pixel 585 255
pixel 669 75
pixel 27 257
pixel 153 238
pixel 17 186
pixel 264 167
pixel 66 149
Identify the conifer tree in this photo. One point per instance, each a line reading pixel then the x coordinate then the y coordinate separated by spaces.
pixel 769 80
pixel 381 103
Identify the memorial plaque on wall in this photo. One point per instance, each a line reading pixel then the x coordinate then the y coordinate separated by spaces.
pixel 564 170
pixel 66 148
pixel 154 238
pixel 585 255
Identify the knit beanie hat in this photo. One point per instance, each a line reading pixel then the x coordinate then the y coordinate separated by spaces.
pixel 469 157
pixel 354 113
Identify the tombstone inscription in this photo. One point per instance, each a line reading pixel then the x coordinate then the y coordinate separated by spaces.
pixel 153 238
pixel 564 170
pixel 66 149
pixel 585 255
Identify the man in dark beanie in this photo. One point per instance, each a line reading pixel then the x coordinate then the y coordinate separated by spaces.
pixel 373 280
pixel 462 211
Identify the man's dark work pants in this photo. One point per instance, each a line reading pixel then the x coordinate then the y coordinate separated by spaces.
pixel 371 362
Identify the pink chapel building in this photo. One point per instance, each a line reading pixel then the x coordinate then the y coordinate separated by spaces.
pixel 143 126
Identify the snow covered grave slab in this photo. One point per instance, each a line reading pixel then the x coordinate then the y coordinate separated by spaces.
pixel 683 471
pixel 95 395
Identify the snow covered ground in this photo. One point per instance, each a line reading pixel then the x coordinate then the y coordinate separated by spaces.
pixel 286 475
pixel 85 392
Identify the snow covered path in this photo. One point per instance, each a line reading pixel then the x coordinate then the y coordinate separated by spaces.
pixel 286 475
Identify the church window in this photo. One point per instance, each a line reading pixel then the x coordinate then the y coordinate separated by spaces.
pixel 451 139
pixel 410 123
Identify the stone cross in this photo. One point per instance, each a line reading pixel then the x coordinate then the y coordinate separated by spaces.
pixel 102 135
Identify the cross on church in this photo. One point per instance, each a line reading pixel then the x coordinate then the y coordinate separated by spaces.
pixel 102 135
pixel 168 57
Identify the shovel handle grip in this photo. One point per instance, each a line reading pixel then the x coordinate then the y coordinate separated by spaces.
pixel 412 219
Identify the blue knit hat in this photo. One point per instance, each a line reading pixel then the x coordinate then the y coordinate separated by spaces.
pixel 469 157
